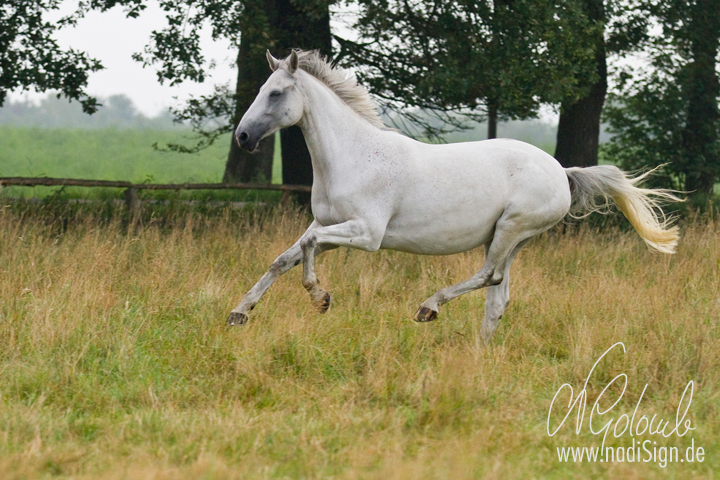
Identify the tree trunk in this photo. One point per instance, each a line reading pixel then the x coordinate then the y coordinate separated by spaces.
pixel 308 29
pixel 579 127
pixel 492 119
pixel 253 71
pixel 700 140
pixel 297 164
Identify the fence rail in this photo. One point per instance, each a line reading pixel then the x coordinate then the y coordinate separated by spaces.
pixel 131 189
pixel 75 182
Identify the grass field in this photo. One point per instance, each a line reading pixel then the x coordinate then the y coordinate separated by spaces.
pixel 116 362
pixel 110 154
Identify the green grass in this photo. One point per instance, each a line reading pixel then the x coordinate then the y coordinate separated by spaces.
pixel 115 361
pixel 111 154
pixel 106 155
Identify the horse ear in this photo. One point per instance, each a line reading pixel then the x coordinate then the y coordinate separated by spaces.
pixel 274 62
pixel 293 63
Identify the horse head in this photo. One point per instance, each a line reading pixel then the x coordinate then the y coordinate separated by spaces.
pixel 279 104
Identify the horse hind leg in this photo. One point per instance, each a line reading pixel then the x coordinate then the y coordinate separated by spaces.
pixel 497 299
pixel 428 310
pixel 508 237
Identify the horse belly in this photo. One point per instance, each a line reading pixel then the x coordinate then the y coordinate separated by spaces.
pixel 443 233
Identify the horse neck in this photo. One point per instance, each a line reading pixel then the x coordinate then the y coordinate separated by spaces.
pixel 334 133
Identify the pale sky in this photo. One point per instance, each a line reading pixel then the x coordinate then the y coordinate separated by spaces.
pixel 112 39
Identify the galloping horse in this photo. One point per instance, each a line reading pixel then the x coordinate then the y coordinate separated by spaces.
pixel 375 188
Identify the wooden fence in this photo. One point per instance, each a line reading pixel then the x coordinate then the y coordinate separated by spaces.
pixel 131 189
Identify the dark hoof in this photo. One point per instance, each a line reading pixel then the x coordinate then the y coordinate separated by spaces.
pixel 324 303
pixel 236 318
pixel 424 314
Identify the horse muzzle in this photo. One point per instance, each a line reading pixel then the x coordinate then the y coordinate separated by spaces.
pixel 245 140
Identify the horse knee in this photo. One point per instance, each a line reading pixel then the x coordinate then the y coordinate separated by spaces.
pixel 308 243
pixel 277 267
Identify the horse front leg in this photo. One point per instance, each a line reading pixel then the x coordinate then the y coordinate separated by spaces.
pixel 354 233
pixel 284 262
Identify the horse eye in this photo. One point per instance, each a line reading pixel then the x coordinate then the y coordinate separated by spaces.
pixel 275 93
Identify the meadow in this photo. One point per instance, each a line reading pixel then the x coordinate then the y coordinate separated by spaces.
pixel 106 154
pixel 116 362
pixel 114 154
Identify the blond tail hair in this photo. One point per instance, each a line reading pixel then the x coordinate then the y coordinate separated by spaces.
pixel 592 189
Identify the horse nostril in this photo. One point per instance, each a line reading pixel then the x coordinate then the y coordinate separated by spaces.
pixel 243 137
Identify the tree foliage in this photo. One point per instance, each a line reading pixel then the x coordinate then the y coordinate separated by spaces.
pixel 175 53
pixel 474 56
pixel 30 57
pixel 645 114
pixel 665 112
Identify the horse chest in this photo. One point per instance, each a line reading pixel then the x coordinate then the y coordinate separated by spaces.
pixel 343 200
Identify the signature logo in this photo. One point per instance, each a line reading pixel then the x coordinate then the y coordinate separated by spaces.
pixel 601 421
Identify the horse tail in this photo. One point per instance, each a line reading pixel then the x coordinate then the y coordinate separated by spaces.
pixel 592 188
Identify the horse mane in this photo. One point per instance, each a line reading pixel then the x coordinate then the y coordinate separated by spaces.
pixel 342 83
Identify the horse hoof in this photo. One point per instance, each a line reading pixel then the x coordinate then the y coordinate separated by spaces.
pixel 236 318
pixel 324 303
pixel 424 314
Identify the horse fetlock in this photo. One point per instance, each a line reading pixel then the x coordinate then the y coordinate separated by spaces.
pixel 425 314
pixel 310 284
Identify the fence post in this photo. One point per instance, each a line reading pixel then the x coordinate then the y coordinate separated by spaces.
pixel 286 199
pixel 133 203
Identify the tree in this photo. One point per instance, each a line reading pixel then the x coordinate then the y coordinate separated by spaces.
pixel 30 57
pixel 495 60
pixel 303 24
pixel 117 111
pixel 176 52
pixel 620 27
pixel 252 26
pixel 667 111
pixel 579 125
pixel 252 73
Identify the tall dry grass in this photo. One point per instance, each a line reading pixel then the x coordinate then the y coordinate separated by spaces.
pixel 116 362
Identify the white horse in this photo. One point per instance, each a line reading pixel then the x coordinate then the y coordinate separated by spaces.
pixel 375 188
